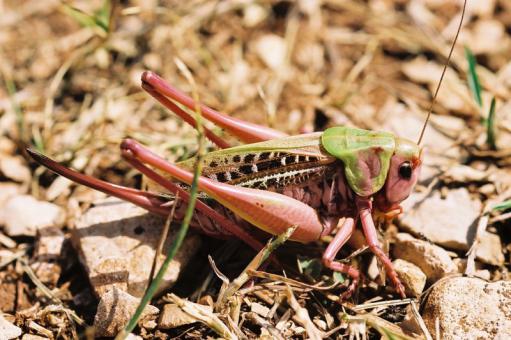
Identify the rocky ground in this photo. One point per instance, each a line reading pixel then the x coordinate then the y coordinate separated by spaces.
pixel 74 262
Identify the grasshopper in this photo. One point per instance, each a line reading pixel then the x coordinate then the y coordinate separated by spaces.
pixel 318 182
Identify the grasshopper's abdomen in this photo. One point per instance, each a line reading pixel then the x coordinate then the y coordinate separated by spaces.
pixel 329 194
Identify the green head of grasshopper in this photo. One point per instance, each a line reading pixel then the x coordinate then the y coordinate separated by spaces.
pixel 375 163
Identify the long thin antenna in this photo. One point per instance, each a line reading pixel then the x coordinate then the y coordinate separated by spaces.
pixel 443 73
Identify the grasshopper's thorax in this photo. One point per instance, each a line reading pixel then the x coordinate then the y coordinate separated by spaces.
pixel 376 164
pixel 405 165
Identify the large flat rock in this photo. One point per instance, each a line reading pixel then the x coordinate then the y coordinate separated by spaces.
pixel 470 308
pixel 448 221
pixel 117 241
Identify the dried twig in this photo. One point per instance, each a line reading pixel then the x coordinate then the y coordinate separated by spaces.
pixel 203 315
pixel 49 294
pixel 163 237
pixel 302 316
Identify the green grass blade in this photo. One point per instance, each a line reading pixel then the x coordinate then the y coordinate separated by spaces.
pixel 473 79
pixel 100 20
pixel 20 119
pixel 82 18
pixel 490 126
pixel 190 210
pixel 503 206
pixel 102 17
pixel 174 247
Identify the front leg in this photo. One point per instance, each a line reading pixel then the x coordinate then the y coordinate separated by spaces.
pixel 343 235
pixel 364 207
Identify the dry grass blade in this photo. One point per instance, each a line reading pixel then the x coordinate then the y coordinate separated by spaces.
pixel 302 316
pixel 275 277
pixel 205 316
pixel 13 257
pixel 482 224
pixel 264 324
pixel 48 293
pixel 420 320
pixel 384 327
pixel 381 304
pixel 163 237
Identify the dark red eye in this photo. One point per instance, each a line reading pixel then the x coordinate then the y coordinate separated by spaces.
pixel 405 170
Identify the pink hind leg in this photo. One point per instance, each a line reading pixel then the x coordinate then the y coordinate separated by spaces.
pixel 221 143
pixel 364 207
pixel 147 200
pixel 245 131
pixel 267 210
pixel 342 236
pixel 150 201
pixel 223 221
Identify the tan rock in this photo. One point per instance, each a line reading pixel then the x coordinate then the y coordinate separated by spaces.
pixel 470 308
pixel 411 276
pixel 431 259
pixel 132 336
pixel 33 337
pixel 117 242
pixel 410 325
pixel 115 310
pixel 489 250
pixel 48 251
pixel 49 243
pixel 447 221
pixel 173 316
pixel 23 215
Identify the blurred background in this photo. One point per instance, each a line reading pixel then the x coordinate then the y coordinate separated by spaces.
pixel 70 83
pixel 71 72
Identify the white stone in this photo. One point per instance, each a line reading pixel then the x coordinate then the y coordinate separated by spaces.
pixel 470 308
pixel 23 215
pixel 115 310
pixel 449 221
pixel 431 259
pixel 253 14
pixel 272 49
pixel 8 330
pixel 15 168
pixel 117 242
pixel 7 190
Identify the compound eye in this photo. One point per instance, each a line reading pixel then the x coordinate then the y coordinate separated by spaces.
pixel 405 170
